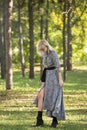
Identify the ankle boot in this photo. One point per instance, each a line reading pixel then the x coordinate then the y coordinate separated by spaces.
pixel 39 119
pixel 54 122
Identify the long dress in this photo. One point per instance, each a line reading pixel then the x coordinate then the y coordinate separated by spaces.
pixel 53 97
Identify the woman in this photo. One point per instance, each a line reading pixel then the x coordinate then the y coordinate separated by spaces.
pixel 50 96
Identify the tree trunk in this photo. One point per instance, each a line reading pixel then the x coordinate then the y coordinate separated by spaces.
pixel 2 39
pixel 41 37
pixel 46 29
pixel 64 40
pixel 69 38
pixel 31 35
pixel 21 41
pixel 0 34
pixel 41 31
pixel 8 17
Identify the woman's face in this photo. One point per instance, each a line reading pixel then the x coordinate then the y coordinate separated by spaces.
pixel 43 49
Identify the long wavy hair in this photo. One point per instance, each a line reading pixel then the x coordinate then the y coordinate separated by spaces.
pixel 45 43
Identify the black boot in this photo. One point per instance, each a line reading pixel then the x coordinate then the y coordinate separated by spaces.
pixel 54 122
pixel 39 119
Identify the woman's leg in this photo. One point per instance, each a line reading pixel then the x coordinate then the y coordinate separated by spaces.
pixel 40 99
pixel 54 122
pixel 40 104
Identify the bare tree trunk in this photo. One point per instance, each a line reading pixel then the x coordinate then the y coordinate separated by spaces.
pixel 21 41
pixel 8 17
pixel 31 35
pixel 41 37
pixel 46 29
pixel 40 3
pixel 1 35
pixel 69 38
pixel 2 38
pixel 64 40
pixel 41 27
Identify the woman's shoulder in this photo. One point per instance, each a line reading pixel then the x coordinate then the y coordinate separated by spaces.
pixel 53 52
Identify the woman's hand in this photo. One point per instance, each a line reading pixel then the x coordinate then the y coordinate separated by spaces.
pixel 61 82
pixel 60 79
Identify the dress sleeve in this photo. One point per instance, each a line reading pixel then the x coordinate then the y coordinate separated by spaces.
pixel 55 59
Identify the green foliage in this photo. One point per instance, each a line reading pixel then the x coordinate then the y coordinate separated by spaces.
pixel 55 24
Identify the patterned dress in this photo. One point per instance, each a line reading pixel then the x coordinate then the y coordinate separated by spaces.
pixel 53 97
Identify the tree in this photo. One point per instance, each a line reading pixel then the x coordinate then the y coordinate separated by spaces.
pixel 41 29
pixel 64 39
pixel 2 39
pixel 46 29
pixel 21 40
pixel 31 37
pixel 8 17
pixel 69 36
pixel 0 35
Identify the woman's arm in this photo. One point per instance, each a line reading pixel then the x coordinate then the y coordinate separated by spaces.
pixel 60 79
pixel 56 62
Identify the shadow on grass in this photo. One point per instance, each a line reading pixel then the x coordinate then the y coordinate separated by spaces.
pixel 79 112
pixel 17 114
pixel 25 120
pixel 28 114
pixel 61 126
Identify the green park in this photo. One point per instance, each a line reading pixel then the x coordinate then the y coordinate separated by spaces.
pixel 23 23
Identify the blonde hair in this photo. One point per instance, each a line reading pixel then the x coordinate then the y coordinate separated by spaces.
pixel 45 43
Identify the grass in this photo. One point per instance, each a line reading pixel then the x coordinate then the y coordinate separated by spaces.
pixel 17 111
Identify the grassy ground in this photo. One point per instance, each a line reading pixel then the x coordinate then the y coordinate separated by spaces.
pixel 17 111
